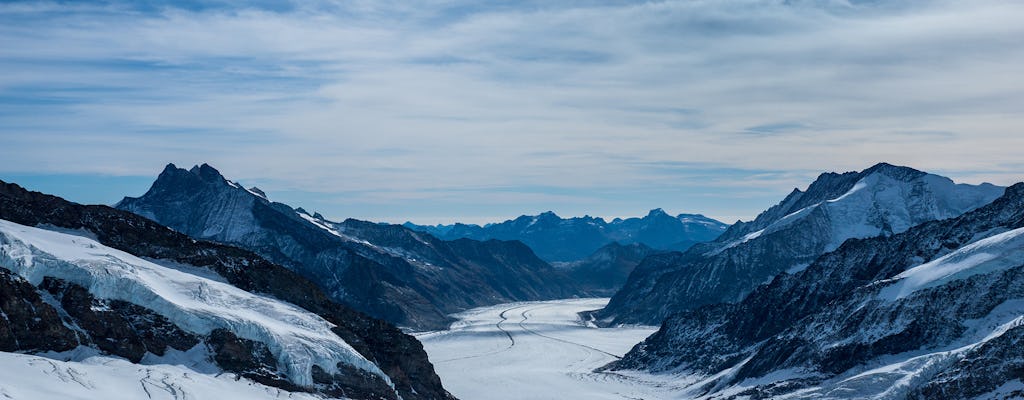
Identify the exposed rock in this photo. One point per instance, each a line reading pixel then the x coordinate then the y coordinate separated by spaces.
pixel 409 278
pixel 845 314
pixel 400 356
pixel 881 200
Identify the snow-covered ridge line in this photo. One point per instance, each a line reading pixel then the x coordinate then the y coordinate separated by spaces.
pixel 994 253
pixel 297 338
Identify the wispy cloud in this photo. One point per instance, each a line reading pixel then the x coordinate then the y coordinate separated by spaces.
pixel 409 103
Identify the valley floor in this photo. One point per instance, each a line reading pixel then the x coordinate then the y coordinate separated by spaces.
pixel 538 350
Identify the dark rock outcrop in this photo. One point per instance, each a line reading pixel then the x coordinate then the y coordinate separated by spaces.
pixel 399 355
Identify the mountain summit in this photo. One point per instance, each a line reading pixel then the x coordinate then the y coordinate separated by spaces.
pixel 935 312
pixel 881 200
pixel 409 278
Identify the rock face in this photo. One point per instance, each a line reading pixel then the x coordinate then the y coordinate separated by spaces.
pixel 64 315
pixel 556 239
pixel 405 277
pixel 934 312
pixel 881 200
pixel 604 272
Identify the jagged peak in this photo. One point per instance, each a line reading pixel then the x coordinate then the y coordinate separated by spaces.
pixel 170 167
pixel 657 212
pixel 893 171
pixel 208 173
pixel 549 215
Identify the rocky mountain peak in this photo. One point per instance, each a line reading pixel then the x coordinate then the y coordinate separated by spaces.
pixel 208 173
pixel 656 213
pixel 897 172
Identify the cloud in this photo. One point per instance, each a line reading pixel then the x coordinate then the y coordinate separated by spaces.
pixel 411 102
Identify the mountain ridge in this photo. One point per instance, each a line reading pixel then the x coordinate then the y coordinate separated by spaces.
pixel 880 200
pixel 388 271
pixel 398 355
pixel 916 311
pixel 557 239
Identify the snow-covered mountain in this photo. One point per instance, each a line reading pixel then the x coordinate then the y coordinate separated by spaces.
pixel 81 286
pixel 557 239
pixel 935 312
pixel 881 200
pixel 406 277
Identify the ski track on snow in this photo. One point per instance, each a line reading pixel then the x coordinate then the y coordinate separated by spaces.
pixel 538 350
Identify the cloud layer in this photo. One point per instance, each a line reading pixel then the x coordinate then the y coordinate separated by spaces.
pixel 443 110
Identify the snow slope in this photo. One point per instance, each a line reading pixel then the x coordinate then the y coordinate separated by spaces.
pixel 538 350
pixel 297 338
pixel 998 252
pixel 880 203
pixel 117 379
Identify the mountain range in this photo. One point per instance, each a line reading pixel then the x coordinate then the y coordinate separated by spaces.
pixel 935 311
pixel 105 287
pixel 391 272
pixel 881 200
pixel 558 239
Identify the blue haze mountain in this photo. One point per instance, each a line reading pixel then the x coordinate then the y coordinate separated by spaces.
pixel 557 239
pixel 406 277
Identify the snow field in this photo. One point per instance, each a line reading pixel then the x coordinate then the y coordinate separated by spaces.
pixel 538 350
pixel 297 338
pixel 107 378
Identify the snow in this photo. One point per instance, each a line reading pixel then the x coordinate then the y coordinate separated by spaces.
pixel 539 350
pixel 998 252
pixel 1009 390
pixel 878 203
pixel 98 377
pixel 297 338
pixel 892 376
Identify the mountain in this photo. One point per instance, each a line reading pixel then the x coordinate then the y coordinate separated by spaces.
pixel 406 277
pixel 604 272
pixel 556 239
pixel 935 312
pixel 881 200
pixel 87 283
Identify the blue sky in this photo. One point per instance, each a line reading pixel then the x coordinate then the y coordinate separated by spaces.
pixel 437 111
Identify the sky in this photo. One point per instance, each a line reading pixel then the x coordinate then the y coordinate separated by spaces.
pixel 449 110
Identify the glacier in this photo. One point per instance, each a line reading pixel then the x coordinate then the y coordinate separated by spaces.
pixel 297 338
pixel 109 378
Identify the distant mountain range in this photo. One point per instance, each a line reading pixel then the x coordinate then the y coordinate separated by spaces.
pixel 932 311
pixel 159 312
pixel 604 272
pixel 881 200
pixel 557 239
pixel 408 278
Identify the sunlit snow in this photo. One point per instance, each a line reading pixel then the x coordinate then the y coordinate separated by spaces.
pixel 539 350
pixel 1002 251
pixel 299 339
